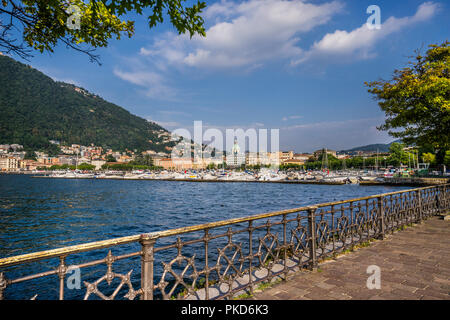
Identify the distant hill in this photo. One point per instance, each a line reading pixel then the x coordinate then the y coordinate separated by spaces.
pixel 35 109
pixel 372 147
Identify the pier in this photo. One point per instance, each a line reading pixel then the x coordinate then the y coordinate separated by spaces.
pixel 234 258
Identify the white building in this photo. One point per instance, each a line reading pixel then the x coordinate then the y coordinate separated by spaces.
pixel 9 164
pixel 235 158
pixel 98 164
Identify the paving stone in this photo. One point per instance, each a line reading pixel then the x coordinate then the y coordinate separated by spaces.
pixel 325 285
pixel 414 263
pixel 406 295
pixel 429 298
pixel 339 295
pixel 416 284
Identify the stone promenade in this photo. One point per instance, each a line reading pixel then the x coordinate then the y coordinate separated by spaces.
pixel 414 264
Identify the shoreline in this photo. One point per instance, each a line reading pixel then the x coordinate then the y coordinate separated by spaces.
pixel 398 181
pixel 391 182
pixel 201 180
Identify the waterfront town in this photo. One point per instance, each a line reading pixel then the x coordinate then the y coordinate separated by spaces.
pixel 13 158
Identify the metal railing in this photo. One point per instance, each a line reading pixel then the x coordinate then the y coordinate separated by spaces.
pixel 223 259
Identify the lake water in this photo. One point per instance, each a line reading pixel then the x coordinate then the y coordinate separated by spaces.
pixel 41 214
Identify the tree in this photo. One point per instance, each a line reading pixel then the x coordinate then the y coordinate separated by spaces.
pixel 428 158
pixel 30 155
pixel 110 158
pixel 143 160
pixel 447 158
pixel 86 166
pixel 398 155
pixel 45 23
pixel 417 100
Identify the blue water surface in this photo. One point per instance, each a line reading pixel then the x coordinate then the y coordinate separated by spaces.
pixel 40 214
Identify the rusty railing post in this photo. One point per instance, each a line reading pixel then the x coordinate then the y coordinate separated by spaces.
pixel 419 205
pixel 381 218
pixel 437 210
pixel 206 239
pixel 441 201
pixel 285 247
pixel 147 259
pixel 3 284
pixel 312 238
pixel 446 200
pixel 62 270
pixel 250 256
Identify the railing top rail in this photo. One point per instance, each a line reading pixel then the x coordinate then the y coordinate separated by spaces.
pixel 327 204
pixel 47 254
pixel 30 257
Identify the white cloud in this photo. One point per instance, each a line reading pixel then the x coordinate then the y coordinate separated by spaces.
pixel 360 42
pixel 153 83
pixel 291 118
pixel 139 78
pixel 245 34
pixel 168 124
pixel 219 9
pixel 165 124
pixel 173 113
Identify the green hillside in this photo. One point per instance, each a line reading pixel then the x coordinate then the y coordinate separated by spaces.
pixel 373 147
pixel 35 109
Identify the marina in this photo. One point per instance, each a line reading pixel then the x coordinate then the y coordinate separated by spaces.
pixel 263 175
pixel 363 178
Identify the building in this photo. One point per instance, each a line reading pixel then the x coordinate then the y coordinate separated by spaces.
pixel 20 155
pixel 98 164
pixel 16 147
pixel 318 153
pixel 67 150
pixel 343 156
pixel 216 161
pixel 28 165
pixel 286 155
pixel 124 158
pixel 235 158
pixel 48 160
pixel 269 158
pixel 294 162
pixel 69 160
pixel 252 159
pixel 178 164
pixel 302 156
pixel 9 164
pixel 4 148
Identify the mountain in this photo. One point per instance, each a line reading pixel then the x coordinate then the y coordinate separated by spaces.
pixel 372 147
pixel 35 109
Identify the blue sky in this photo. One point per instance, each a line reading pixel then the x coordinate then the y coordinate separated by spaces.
pixel 298 65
